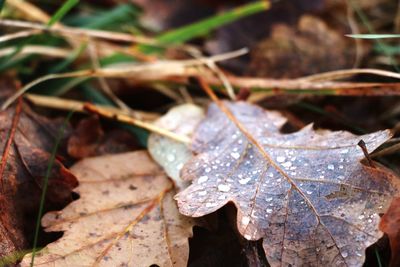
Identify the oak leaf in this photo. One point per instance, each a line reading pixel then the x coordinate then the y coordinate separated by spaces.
pixel 26 140
pixel 306 194
pixel 125 216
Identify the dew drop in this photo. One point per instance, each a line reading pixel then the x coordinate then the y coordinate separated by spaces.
pixel 268 199
pixel 345 254
pixel 208 169
pixel 210 205
pixel 244 181
pixel 245 220
pixel 287 164
pixel 235 155
pixel 280 159
pixel 170 157
pixel 202 193
pixel 202 179
pixel 269 210
pixel 331 167
pixel 224 188
pixel 309 192
pixel 361 217
pixel 344 151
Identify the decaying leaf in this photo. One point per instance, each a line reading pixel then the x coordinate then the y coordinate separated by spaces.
pixel 306 194
pixel 170 154
pixel 89 140
pixel 390 224
pixel 311 48
pixel 126 216
pixel 25 142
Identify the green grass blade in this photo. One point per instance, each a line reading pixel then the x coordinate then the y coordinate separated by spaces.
pixel 378 41
pixel 378 258
pixel 2 2
pixel 205 26
pixel 46 182
pixel 62 11
pixel 373 36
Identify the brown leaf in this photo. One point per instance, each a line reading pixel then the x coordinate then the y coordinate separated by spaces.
pixel 305 193
pixel 125 216
pixel 390 224
pixel 25 143
pixel 311 48
pixel 89 140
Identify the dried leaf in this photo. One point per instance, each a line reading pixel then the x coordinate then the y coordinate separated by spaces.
pixel 170 154
pixel 89 140
pixel 390 224
pixel 305 193
pixel 25 143
pixel 311 48
pixel 125 216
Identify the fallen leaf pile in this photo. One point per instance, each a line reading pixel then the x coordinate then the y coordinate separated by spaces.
pixel 25 143
pixel 306 194
pixel 126 216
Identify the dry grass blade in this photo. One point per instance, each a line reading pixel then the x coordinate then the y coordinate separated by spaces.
pixel 78 106
pixel 17 35
pixel 110 113
pixel 141 71
pixel 340 74
pixel 38 49
pixel 129 120
pixel 78 32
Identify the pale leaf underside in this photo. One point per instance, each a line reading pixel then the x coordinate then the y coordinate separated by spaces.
pixel 316 204
pixel 125 216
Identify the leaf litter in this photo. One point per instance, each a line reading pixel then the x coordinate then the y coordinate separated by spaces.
pixel 26 141
pixel 125 216
pixel 314 203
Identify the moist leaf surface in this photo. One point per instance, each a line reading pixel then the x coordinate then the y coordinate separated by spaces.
pixel 308 196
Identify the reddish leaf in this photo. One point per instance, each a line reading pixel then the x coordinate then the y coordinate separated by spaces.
pixel 26 139
pixel 390 224
pixel 89 140
pixel 306 193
